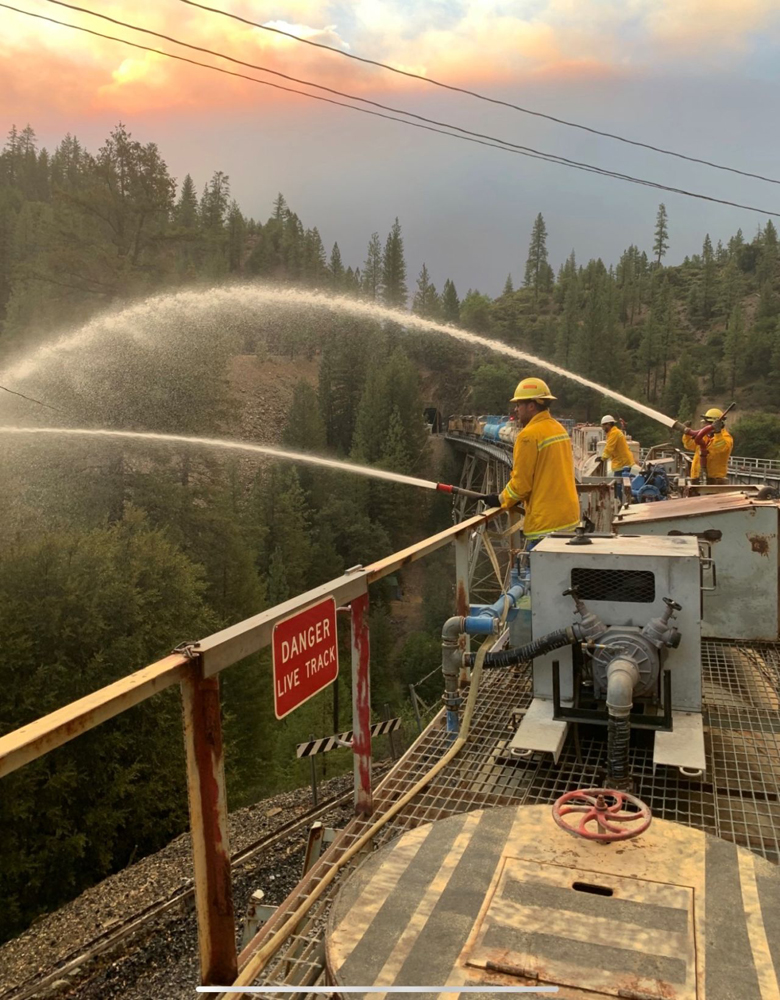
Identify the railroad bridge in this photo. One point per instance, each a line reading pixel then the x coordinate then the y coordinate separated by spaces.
pixel 738 801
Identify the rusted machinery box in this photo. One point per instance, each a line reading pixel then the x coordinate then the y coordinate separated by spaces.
pixel 742 535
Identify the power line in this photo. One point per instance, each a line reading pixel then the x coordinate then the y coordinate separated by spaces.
pixel 494 143
pixel 553 157
pixel 482 97
pixel 548 157
pixel 30 399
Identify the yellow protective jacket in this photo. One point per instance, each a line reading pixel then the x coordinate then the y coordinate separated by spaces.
pixel 617 450
pixel 543 478
pixel 718 451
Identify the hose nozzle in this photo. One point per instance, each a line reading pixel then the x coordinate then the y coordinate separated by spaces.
pixel 458 491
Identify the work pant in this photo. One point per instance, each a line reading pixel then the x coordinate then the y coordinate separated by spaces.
pixel 619 476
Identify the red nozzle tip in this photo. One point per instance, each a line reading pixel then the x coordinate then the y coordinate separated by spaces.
pixel 444 488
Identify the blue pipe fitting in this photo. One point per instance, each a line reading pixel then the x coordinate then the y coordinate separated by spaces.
pixel 486 617
pixel 482 624
pixel 452 703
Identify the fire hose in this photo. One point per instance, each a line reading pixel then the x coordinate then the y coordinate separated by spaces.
pixel 261 958
pixel 520 654
pixel 701 437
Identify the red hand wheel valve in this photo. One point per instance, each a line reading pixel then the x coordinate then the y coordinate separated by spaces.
pixel 602 814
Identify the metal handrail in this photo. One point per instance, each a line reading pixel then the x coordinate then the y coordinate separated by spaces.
pixel 195 667
pixel 212 654
pixel 737 464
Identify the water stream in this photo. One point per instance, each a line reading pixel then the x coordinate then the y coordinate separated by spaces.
pixel 143 321
pixel 282 453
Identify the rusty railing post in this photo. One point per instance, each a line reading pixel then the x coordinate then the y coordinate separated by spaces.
pixel 462 562
pixel 361 705
pixel 208 822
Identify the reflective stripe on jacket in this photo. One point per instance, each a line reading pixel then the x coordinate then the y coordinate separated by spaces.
pixel 718 452
pixel 617 450
pixel 543 477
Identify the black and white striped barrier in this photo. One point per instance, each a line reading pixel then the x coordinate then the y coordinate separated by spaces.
pixel 343 739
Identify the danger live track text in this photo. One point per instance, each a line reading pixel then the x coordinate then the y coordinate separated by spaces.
pixel 308 639
pixel 305 655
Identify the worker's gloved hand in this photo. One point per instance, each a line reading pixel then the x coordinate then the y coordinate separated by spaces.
pixel 491 500
pixel 717 426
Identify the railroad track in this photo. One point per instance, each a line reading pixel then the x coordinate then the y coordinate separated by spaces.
pixel 112 938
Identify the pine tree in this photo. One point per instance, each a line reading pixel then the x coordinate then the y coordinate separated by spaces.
pixel 341 380
pixel 508 286
pixel 648 357
pixel 568 325
pixel 236 234
pixel 770 255
pixel 352 281
pixel 64 826
pixel 731 287
pixel 276 579
pixel 372 269
pixel 186 212
pixel 475 311
pixel 681 390
pixel 336 269
pixel 302 253
pixel 288 520
pixel 395 383
pixel 708 278
pixel 11 156
pixel 661 244
pixel 394 293
pixel 390 506
pixel 280 208
pixel 537 270
pixel 304 429
pixel 314 265
pixel 27 141
pixel 426 299
pixel 736 243
pixel 662 318
pixel 450 306
pixel 734 346
pixel 215 201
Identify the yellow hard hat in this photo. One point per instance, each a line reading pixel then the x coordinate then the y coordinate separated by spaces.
pixel 713 413
pixel 532 388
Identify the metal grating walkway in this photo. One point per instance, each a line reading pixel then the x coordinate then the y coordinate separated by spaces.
pixel 739 801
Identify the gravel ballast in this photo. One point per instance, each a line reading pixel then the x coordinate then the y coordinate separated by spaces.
pixel 161 961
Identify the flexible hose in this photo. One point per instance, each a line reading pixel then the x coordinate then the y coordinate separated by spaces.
pixel 260 959
pixel 520 654
pixel 618 738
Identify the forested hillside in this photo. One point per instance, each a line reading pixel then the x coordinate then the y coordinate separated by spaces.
pixel 110 555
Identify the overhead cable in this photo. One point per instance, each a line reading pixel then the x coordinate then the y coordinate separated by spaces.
pixel 482 97
pixel 30 399
pixel 339 93
pixel 494 143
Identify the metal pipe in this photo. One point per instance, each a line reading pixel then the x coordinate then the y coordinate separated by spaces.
pixel 458 491
pixel 622 678
pixel 451 659
pixel 487 621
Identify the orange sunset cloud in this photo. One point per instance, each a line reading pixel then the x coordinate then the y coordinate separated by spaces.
pixel 53 68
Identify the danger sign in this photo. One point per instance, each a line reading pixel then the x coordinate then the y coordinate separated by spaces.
pixel 305 655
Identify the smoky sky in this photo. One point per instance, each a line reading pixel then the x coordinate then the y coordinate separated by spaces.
pixel 695 77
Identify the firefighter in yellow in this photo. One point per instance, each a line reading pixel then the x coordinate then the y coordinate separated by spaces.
pixel 719 445
pixel 542 468
pixel 616 451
